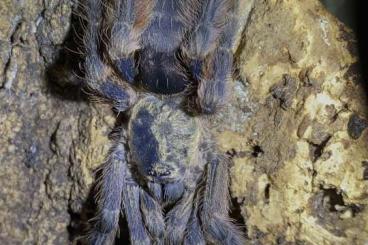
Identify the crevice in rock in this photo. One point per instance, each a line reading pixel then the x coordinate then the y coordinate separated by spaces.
pixel 267 193
pixel 317 150
pixel 232 153
pixel 365 170
pixel 65 75
pixel 334 200
pixel 79 224
pixel 74 225
pixel 53 140
pixel 257 151
pixel 333 197
pixel 236 214
pixel 10 70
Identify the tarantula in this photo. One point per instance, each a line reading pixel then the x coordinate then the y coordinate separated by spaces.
pixel 164 171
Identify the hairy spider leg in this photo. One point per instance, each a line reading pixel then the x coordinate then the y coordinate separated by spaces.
pixel 153 217
pixel 209 51
pixel 217 227
pixel 131 206
pixel 110 186
pixel 166 30
pixel 213 89
pixel 194 234
pixel 100 78
pixel 177 218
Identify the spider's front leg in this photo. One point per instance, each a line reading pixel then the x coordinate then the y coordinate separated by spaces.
pixel 110 186
pixel 209 52
pixel 100 78
pixel 217 226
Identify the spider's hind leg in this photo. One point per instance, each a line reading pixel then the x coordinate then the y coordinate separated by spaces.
pixel 209 52
pixel 126 21
pixel 100 78
pixel 213 89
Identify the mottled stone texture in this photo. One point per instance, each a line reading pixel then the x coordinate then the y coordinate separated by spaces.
pixel 296 126
pixel 301 172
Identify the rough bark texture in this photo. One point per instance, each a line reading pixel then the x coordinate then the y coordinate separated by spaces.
pixel 296 127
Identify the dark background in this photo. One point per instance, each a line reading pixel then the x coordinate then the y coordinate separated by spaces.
pixel 354 14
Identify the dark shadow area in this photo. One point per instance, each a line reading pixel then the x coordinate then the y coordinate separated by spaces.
pixel 353 14
pixel 236 215
pixel 64 79
pixel 344 10
pixel 362 33
pixel 335 200
pixel 65 76
pixel 80 223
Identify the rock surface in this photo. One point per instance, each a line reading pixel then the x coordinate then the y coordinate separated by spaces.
pixel 300 168
pixel 296 126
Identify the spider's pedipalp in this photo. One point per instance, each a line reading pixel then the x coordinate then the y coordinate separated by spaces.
pixel 178 217
pixel 194 234
pixel 217 226
pixel 173 191
pixel 131 205
pixel 110 186
pixel 155 190
pixel 153 216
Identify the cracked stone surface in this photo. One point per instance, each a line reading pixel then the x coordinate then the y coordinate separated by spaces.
pixel 305 182
pixel 296 126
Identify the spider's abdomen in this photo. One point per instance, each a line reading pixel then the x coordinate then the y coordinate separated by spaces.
pixel 162 140
pixel 161 73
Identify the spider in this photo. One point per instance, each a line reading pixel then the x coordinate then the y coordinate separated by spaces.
pixel 164 171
